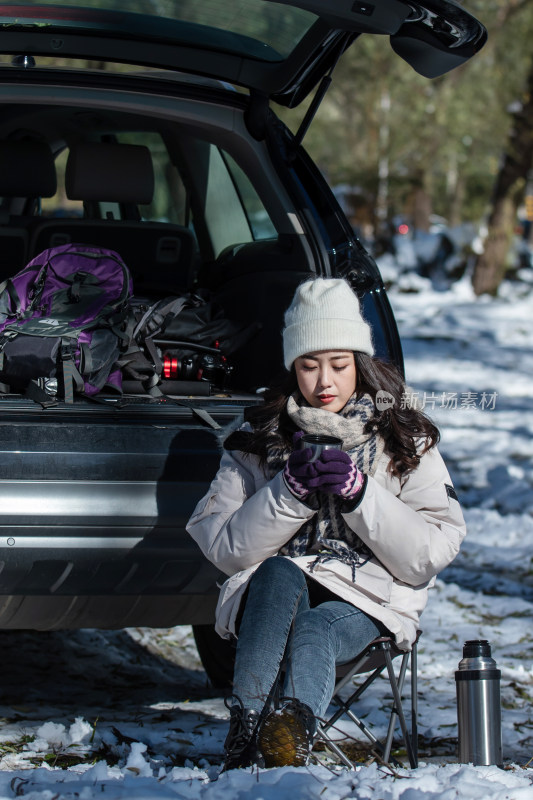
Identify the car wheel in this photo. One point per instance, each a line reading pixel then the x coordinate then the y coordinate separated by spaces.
pixel 217 655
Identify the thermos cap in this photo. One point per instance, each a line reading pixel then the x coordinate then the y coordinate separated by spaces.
pixel 318 438
pixel 475 648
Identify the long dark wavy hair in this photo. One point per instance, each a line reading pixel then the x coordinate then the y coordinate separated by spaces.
pixel 401 426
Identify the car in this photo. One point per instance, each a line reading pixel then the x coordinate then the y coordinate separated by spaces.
pixel 148 128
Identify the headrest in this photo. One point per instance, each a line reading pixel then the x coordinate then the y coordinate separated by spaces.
pixel 113 173
pixel 27 169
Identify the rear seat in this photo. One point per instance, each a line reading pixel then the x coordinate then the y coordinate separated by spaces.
pixel 27 172
pixel 255 282
pixel 160 255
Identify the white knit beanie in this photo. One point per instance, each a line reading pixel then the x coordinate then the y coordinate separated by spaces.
pixel 324 315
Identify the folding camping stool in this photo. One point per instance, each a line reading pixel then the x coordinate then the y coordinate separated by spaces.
pixel 376 658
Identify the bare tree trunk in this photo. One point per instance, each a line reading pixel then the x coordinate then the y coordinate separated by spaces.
pixel 456 202
pixel 382 198
pixel 418 203
pixel 422 208
pixel 508 193
pixel 455 191
pixel 491 264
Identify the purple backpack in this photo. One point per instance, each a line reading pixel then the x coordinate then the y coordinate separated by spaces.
pixel 63 322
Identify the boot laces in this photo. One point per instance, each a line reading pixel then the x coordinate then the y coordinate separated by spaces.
pixel 239 741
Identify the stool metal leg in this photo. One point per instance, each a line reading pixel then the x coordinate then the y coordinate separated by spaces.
pixel 394 713
pixel 410 737
pixel 399 708
pixel 414 701
pixel 331 745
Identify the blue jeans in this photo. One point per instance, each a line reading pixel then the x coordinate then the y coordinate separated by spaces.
pixel 279 627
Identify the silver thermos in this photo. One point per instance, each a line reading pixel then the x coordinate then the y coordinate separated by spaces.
pixel 479 713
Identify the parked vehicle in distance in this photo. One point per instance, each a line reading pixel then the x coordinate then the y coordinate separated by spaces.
pixel 146 128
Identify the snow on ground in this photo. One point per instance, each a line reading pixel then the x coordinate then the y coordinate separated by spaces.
pixel 129 714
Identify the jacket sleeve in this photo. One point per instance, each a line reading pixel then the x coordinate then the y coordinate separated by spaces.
pixel 417 531
pixel 236 524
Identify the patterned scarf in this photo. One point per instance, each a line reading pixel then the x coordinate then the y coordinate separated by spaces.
pixel 326 533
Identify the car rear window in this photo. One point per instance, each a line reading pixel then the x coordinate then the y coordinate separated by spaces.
pixel 266 31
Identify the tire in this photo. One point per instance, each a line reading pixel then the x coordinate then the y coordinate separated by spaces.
pixel 216 654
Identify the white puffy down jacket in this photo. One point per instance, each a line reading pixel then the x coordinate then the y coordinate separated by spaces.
pixel 414 527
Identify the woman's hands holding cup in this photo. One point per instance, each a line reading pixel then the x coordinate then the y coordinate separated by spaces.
pixel 299 469
pixel 333 472
pixel 336 473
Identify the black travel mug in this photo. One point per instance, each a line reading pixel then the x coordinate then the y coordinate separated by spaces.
pixel 319 443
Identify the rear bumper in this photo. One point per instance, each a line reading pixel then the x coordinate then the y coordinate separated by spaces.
pixel 93 516
pixel 46 613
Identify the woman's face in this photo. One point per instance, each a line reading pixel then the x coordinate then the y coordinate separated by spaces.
pixel 327 378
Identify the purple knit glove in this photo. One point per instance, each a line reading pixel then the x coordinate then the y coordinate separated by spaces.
pixel 299 470
pixel 337 474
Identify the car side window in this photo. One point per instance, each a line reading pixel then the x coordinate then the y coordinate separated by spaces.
pixel 259 221
pixel 231 210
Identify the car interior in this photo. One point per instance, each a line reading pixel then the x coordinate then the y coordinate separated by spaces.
pixel 177 207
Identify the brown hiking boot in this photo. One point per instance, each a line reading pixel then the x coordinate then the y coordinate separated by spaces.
pixel 286 735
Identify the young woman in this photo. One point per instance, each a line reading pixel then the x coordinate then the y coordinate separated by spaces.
pixel 322 555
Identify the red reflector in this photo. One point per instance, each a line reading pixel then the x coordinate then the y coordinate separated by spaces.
pixel 170 366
